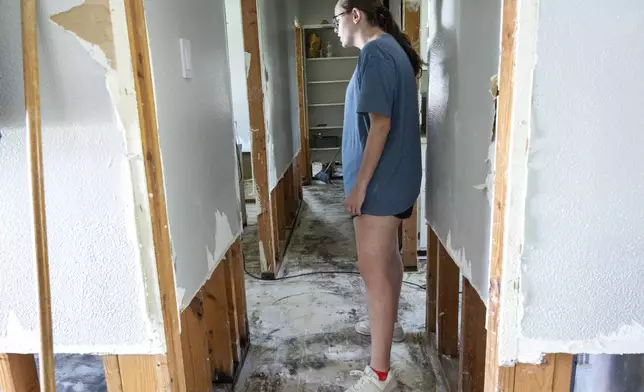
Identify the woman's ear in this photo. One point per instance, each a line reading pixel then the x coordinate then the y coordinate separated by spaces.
pixel 356 15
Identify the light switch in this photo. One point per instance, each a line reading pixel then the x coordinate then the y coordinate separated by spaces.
pixel 186 58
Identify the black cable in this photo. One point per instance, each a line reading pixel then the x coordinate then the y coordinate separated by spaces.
pixel 420 287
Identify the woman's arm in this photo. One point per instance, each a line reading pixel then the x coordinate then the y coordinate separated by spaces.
pixel 378 132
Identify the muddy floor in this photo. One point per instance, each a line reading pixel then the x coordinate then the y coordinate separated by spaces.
pixel 303 336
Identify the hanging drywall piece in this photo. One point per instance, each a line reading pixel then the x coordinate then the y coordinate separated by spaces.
pixel 92 23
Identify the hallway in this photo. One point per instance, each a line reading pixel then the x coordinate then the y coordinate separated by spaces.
pixel 302 329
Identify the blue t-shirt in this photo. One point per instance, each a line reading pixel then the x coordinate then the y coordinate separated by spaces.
pixel 383 82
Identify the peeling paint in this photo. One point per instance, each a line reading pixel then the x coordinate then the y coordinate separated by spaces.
pixel 619 341
pixel 120 84
pixel 91 23
pixel 247 58
pixel 458 255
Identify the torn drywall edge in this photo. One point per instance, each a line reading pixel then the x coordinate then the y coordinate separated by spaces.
pixel 627 339
pixel 185 300
pixel 511 307
pixel 458 255
pixel 120 84
pixel 96 17
pixel 281 176
pixel 19 340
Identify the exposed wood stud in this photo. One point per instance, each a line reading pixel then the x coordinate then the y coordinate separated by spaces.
pixel 410 241
pixel 447 304
pixel 134 373
pixel 240 294
pixel 139 51
pixel 231 284
pixel 265 217
pixel 500 378
pixel 31 79
pixel 411 22
pixel 304 166
pixel 472 354
pixel 18 373
pixel 553 375
pixel 112 373
pixel 218 325
pixel 432 281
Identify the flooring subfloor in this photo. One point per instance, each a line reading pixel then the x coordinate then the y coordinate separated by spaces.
pixel 302 328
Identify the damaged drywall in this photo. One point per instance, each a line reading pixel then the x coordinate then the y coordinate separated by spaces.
pixel 196 136
pixel 575 254
pixel 100 261
pixel 92 23
pixel 279 79
pixel 463 56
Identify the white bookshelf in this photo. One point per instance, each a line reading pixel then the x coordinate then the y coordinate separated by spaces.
pixel 326 80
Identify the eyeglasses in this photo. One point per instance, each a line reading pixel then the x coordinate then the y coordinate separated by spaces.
pixel 336 19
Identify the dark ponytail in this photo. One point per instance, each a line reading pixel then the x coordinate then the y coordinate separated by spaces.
pixel 379 15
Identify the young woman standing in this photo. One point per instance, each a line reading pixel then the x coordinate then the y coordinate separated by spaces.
pixel 381 162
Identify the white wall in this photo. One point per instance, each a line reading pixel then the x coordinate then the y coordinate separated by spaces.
pixel 238 64
pixel 464 53
pixel 279 77
pixel 580 271
pixel 103 282
pixel 196 136
pixel 313 12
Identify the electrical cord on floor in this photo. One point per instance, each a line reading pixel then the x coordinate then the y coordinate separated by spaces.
pixel 418 286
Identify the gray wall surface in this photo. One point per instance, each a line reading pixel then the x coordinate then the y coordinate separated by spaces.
pixel 582 268
pixel 463 56
pixel 196 136
pixel 276 20
pixel 237 60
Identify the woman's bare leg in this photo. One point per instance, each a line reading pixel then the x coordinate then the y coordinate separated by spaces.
pixel 376 241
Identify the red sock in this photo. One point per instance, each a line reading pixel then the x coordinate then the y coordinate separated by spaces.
pixel 382 376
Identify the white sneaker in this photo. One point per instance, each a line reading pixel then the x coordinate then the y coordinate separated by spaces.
pixel 363 328
pixel 369 382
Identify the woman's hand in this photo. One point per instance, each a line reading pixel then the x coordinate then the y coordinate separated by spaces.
pixel 354 201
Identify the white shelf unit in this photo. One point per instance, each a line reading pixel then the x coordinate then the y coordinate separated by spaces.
pixel 326 80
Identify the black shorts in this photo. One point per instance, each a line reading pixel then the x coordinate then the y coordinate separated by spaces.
pixel 405 214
